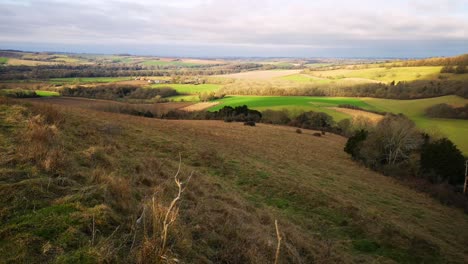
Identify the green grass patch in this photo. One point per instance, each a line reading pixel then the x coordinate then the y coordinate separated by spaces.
pixel 46 93
pixel 3 60
pixel 455 129
pixel 295 104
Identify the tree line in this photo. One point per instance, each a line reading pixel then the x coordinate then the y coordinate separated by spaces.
pixel 44 72
pixel 401 90
pixel 118 92
pixel 447 111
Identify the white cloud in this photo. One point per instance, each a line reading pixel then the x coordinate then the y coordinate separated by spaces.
pixel 293 23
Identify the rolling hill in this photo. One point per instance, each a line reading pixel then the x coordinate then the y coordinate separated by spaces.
pixel 78 185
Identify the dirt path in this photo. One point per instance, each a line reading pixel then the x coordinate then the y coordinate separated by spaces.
pixel 354 113
pixel 199 106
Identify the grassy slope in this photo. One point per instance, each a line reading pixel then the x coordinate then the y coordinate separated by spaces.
pixel 414 109
pixel 292 103
pixel 456 130
pixel 330 209
pixel 383 74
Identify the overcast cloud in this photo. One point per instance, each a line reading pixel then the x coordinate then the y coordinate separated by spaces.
pixel 336 28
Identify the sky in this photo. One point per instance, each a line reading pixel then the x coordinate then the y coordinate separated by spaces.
pixel 238 28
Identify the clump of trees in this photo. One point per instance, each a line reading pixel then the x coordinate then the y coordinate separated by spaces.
pixel 210 96
pixel 396 148
pixel 18 93
pixel 447 111
pixel 441 161
pixel 116 92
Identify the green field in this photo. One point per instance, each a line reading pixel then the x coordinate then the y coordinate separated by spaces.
pixel 190 88
pixel 3 60
pixel 383 74
pixel 88 80
pixel 454 129
pixel 47 93
pixel 294 103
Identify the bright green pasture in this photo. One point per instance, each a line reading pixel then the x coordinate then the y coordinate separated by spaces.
pixel 293 103
pixel 190 88
pixel 455 129
pixel 89 80
pixel 3 60
pixel 383 74
pixel 47 93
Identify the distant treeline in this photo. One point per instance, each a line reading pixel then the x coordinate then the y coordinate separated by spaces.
pixel 447 111
pixel 401 90
pixel 451 61
pixel 459 69
pixel 116 92
pixel 44 72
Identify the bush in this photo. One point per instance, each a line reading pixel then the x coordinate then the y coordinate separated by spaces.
pixel 299 131
pixel 441 161
pixel 313 120
pixel 353 144
pixel 275 117
pixel 249 123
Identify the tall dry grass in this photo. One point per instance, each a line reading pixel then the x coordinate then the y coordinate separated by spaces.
pixel 157 222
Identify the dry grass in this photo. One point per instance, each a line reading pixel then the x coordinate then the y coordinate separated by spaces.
pixel 374 118
pixel 331 210
pixel 199 106
pixel 260 75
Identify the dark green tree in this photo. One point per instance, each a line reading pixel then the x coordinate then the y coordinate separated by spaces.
pixel 442 161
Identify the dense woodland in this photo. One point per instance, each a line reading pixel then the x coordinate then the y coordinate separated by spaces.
pixel 117 92
pixel 44 72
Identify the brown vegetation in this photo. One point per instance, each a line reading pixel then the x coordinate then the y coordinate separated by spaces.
pixel 330 209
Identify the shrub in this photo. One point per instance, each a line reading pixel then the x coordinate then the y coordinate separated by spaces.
pixel 299 131
pixel 353 144
pixel 275 117
pixel 441 161
pixel 313 120
pixel 317 134
pixel 249 123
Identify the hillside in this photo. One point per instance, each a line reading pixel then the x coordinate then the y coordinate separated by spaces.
pixel 83 186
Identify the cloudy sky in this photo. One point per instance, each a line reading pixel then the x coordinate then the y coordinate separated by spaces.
pixel 288 28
